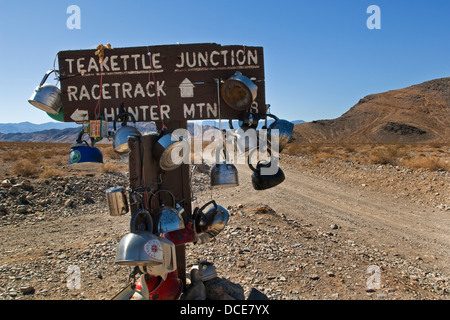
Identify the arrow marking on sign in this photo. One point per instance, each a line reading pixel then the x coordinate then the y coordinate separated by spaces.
pixel 79 115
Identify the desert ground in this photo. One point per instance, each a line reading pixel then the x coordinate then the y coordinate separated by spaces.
pixel 350 222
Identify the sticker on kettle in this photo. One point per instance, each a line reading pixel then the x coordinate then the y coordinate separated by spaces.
pixel 75 156
pixel 153 248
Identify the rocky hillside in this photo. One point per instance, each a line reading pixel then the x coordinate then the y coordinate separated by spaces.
pixel 419 113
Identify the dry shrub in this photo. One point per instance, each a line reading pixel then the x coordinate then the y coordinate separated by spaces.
pixel 429 163
pixel 295 149
pixel 110 167
pixel 318 160
pixel 387 154
pixel 26 168
pixel 12 155
pixel 50 173
pixel 109 153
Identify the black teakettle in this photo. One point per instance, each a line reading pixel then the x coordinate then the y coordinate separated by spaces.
pixel 262 181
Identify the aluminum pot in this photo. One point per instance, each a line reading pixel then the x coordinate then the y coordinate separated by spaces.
pixel 46 97
pixel 223 174
pixel 116 198
pixel 239 91
pixel 140 247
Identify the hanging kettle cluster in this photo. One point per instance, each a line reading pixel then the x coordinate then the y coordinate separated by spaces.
pixel 239 92
pixel 160 223
pixel 150 246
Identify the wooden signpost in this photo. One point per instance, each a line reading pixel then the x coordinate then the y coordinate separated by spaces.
pixel 168 85
pixel 156 83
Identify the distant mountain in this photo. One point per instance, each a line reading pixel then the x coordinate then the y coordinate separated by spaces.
pixel 68 132
pixel 69 135
pixel 53 135
pixel 235 123
pixel 419 113
pixel 25 127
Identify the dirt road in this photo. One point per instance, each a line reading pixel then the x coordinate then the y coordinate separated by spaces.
pixel 315 238
pixel 373 218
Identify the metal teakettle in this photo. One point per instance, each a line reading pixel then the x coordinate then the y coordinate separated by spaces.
pixel 167 218
pixel 283 134
pixel 83 156
pixel 120 139
pixel 135 248
pixel 208 225
pixel 268 179
pixel 47 97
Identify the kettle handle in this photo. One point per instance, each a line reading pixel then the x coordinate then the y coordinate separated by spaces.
pixel 46 76
pixel 225 152
pixel 273 116
pixel 257 169
pixel 147 217
pixel 162 190
pixel 230 124
pixel 200 211
pixel 123 113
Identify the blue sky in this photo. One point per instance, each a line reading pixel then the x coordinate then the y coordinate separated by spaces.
pixel 320 57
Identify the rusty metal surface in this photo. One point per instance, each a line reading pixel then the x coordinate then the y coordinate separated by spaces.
pixel 168 82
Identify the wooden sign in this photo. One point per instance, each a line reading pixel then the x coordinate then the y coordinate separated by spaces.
pixel 156 83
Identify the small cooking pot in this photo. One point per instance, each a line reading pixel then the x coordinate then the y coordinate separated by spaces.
pixel 223 174
pixel 47 97
pixel 140 247
pixel 239 92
